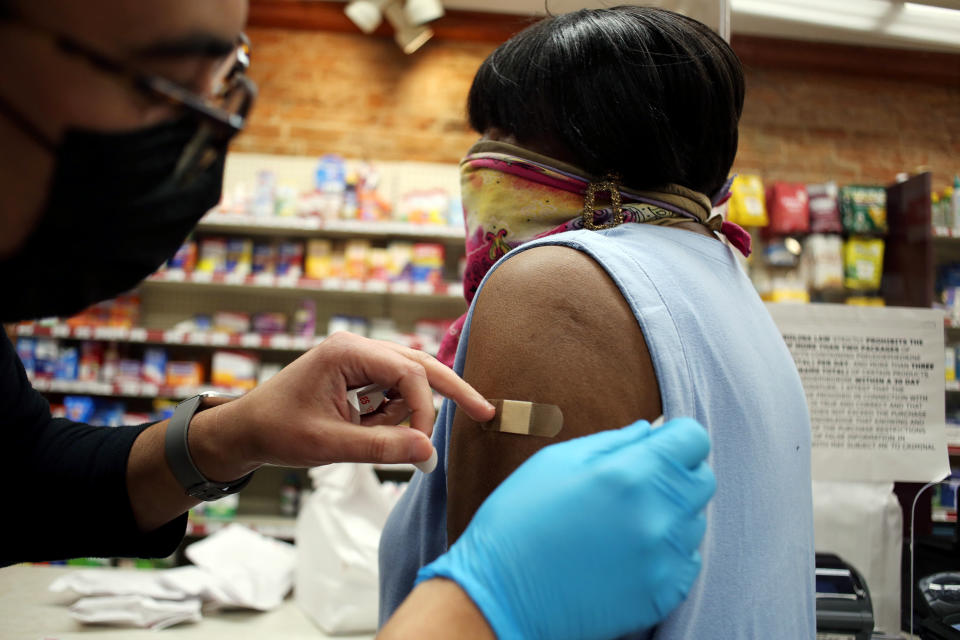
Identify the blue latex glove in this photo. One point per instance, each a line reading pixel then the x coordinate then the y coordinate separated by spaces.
pixel 590 538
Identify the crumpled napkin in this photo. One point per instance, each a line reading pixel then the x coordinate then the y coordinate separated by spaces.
pixel 135 611
pixel 235 567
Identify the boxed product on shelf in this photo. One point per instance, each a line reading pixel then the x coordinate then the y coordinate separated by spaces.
pixel 213 255
pixel 264 258
pixel 787 208
pixel 68 363
pixel 950 362
pixel 424 207
pixel 268 322
pixel 319 258
pixel 122 311
pixel 239 258
pixel 427 262
pixel 46 354
pixel 863 208
pixel 355 257
pixel 234 369
pixel 824 208
pixel 184 373
pixel 305 319
pixel 262 203
pixel 78 408
pixel 289 259
pixel 108 413
pixel 154 365
pixel 231 322
pixel 863 263
pixel 185 259
pixel 747 205
pixel 129 370
pixel 91 359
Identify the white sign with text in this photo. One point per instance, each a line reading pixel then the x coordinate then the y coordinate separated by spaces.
pixel 874 380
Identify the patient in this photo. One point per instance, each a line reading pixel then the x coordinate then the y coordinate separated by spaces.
pixel 602 280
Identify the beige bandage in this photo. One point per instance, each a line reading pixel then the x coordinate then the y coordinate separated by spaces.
pixel 525 418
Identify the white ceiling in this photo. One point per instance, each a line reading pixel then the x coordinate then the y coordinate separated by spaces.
pixel 924 24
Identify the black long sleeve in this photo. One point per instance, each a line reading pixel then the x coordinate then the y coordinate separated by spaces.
pixel 65 482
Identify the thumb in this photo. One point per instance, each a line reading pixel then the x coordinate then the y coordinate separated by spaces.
pixel 391 445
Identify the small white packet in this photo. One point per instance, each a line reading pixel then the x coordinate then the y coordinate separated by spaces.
pixel 135 611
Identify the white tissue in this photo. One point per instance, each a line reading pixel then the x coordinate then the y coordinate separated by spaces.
pixel 97 582
pixel 135 611
pixel 254 571
pixel 235 567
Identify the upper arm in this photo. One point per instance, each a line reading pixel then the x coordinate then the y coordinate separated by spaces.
pixel 549 326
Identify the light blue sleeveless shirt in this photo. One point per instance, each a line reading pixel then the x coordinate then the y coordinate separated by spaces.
pixel 719 358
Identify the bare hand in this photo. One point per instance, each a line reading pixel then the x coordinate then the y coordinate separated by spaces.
pixel 300 417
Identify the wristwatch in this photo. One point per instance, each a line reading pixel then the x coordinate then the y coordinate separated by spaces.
pixel 194 483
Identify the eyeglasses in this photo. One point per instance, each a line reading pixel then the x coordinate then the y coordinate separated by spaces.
pixel 222 115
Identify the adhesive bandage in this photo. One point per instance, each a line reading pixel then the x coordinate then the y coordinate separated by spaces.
pixel 525 418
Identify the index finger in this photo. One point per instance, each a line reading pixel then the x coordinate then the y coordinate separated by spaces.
pixel 449 384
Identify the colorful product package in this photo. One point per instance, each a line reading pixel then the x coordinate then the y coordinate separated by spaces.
pixel 46 353
pixel 68 363
pixel 231 322
pixel 864 208
pixel 319 253
pixel 289 259
pixel 427 263
pixel 865 301
pixel 305 318
pixel 213 255
pixel 747 206
pixel 787 207
pixel 269 322
pixel 79 408
pixel 154 365
pixel 399 260
pixel 26 351
pixel 355 259
pixel 128 371
pixel 239 259
pixel 234 370
pixel 863 263
pixel 185 259
pixel 824 208
pixel 91 359
pixel 184 373
pixel 264 258
pixel 163 408
pixel 950 363
pixel 823 255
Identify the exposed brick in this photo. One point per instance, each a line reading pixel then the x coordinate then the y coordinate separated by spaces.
pixel 360 97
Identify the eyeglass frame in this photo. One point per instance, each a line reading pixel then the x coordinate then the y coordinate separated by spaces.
pixel 157 87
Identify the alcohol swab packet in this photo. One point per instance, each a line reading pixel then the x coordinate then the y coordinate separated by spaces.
pixel 368 399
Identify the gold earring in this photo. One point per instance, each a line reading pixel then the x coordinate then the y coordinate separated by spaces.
pixel 610 184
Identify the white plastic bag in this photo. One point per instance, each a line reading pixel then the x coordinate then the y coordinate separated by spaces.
pixel 338 534
pixel 863 524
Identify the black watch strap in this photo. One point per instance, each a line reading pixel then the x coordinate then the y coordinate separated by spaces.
pixel 194 483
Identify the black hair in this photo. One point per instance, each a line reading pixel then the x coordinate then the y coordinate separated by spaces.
pixel 650 94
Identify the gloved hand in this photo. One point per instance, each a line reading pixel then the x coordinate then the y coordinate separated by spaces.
pixel 590 538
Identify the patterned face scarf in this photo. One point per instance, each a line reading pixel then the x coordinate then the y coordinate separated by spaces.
pixel 512 196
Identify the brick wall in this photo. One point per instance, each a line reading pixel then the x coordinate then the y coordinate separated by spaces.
pixel 359 96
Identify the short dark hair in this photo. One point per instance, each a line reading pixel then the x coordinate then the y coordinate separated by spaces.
pixel 648 93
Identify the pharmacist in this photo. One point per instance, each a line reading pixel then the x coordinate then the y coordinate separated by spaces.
pixel 115 117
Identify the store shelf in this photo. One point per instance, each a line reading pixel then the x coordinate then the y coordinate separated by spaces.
pixel 953 386
pixel 217 222
pixel 214 339
pixel 126 389
pixel 172 278
pixel 274 526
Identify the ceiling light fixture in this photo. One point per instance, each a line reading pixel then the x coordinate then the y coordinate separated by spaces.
pixel 409 19
pixel 420 12
pixel 366 14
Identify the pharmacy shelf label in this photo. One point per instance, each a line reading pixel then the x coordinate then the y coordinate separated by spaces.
pixel 874 381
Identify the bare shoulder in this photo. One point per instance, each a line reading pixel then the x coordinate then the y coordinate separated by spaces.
pixel 549 326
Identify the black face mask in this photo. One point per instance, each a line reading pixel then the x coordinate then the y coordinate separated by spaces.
pixel 112 218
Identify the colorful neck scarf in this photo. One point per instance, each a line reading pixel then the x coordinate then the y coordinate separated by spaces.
pixel 512 196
